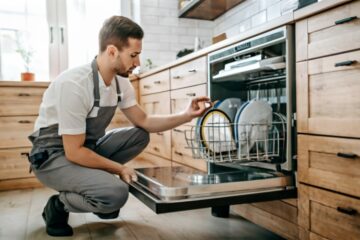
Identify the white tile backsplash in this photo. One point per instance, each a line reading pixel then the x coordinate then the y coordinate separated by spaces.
pixel 166 34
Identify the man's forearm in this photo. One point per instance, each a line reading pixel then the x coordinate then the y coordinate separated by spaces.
pixel 160 123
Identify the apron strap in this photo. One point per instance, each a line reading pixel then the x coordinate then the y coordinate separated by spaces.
pixel 96 83
pixel 118 91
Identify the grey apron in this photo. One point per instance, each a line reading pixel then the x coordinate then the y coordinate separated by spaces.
pixel 47 142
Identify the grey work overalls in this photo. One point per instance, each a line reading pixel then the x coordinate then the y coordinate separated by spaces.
pixel 85 189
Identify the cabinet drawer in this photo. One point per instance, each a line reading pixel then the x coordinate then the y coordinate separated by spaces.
pixel 180 151
pixel 15 131
pixel 160 144
pixel 331 32
pixel 15 101
pixel 189 74
pixel 158 103
pixel 327 95
pixel 14 163
pixel 331 163
pixel 328 214
pixel 157 82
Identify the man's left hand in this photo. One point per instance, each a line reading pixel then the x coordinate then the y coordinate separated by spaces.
pixel 197 107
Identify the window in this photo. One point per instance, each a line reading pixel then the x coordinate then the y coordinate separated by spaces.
pixel 56 34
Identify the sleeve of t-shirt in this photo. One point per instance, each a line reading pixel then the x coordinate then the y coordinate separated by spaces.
pixel 128 94
pixel 72 108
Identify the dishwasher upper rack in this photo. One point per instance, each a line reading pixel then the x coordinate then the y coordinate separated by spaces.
pixel 257 142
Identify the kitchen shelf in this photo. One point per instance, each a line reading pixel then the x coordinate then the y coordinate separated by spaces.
pixel 207 9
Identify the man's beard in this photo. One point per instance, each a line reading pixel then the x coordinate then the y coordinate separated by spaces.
pixel 124 74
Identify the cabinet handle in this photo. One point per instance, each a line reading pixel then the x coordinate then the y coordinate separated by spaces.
pixel 192 70
pixel 24 95
pixel 176 77
pixel 348 210
pixel 178 153
pixel 177 130
pixel 24 154
pixel 24 121
pixel 191 94
pixel 157 149
pixel 160 133
pixel 157 82
pixel 345 63
pixel 345 20
pixel 347 155
pixel 51 35
pixel 146 86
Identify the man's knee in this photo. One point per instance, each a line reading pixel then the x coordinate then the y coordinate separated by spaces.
pixel 113 197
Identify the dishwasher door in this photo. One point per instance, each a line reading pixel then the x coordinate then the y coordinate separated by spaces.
pixel 177 188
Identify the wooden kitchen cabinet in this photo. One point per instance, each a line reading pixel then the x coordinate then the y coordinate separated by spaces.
pixel 328 33
pixel 328 123
pixel 189 74
pixel 159 103
pixel 20 103
pixel 155 83
pixel 181 152
pixel 327 95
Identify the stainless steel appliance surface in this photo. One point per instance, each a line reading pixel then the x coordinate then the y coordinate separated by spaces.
pixel 251 157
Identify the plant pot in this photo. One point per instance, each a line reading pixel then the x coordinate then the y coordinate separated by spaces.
pixel 27 76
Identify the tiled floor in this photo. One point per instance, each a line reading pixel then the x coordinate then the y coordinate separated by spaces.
pixel 21 219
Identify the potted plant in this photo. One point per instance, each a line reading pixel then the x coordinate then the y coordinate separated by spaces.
pixel 26 54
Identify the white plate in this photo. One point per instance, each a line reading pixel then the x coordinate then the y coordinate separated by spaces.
pixel 230 106
pixel 216 132
pixel 253 125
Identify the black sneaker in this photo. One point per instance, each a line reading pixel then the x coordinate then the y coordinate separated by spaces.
pixel 111 215
pixel 56 218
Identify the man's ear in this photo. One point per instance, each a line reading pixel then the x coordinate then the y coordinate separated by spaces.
pixel 111 50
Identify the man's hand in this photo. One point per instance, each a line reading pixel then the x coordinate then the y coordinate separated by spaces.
pixel 197 107
pixel 127 174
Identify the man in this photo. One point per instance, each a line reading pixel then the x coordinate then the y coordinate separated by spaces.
pixel 71 152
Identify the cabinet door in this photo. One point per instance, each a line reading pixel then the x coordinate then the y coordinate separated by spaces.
pixel 327 214
pixel 155 83
pixel 189 74
pixel 328 100
pixel 14 163
pixel 181 152
pixel 328 33
pixel 15 131
pixel 16 101
pixel 331 163
pixel 160 143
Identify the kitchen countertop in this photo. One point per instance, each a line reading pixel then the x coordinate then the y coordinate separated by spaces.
pixel 23 83
pixel 283 20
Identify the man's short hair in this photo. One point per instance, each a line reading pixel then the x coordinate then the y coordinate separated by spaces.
pixel 116 31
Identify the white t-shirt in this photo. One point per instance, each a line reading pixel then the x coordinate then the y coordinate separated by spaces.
pixel 70 97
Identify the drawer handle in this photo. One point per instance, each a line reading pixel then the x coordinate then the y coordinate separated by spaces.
pixel 192 70
pixel 177 130
pixel 157 149
pixel 345 63
pixel 24 95
pixel 157 82
pixel 178 153
pixel 176 77
pixel 160 133
pixel 24 154
pixel 191 94
pixel 348 211
pixel 146 86
pixel 347 155
pixel 345 20
pixel 24 121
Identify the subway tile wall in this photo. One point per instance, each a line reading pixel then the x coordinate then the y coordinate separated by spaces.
pixel 166 34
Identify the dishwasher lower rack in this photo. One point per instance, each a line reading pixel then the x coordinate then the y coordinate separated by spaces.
pixel 230 142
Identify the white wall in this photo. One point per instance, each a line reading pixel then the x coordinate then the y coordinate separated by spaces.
pixel 250 14
pixel 166 34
